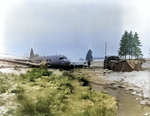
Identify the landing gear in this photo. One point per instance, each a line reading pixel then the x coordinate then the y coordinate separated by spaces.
pixel 48 65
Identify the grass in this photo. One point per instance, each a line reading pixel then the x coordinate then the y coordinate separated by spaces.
pixel 44 93
pixel 3 85
pixel 4 82
pixel 35 73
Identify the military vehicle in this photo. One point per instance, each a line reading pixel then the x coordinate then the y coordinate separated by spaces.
pixel 116 64
pixel 109 60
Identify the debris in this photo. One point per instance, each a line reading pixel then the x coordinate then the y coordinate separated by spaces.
pixel 105 92
pixel 148 103
pixel 121 86
pixel 134 93
pixel 143 102
pixel 137 99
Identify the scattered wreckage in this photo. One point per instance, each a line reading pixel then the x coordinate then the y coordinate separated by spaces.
pixel 78 64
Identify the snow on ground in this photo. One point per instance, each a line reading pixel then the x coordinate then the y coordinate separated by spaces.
pixel 97 63
pixel 7 70
pixel 12 70
pixel 10 56
pixel 146 64
pixel 136 79
pixel 9 105
pixel 140 79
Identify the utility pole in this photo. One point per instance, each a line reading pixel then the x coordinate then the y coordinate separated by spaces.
pixel 105 48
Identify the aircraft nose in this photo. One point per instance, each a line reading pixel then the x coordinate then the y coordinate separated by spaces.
pixel 66 62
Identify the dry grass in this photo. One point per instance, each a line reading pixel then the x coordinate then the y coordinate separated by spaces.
pixel 43 93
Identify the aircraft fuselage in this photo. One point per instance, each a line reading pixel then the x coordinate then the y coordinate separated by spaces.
pixel 52 61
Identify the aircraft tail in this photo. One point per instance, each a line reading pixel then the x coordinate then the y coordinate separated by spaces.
pixel 31 53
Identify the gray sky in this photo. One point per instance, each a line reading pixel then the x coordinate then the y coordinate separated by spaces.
pixel 71 27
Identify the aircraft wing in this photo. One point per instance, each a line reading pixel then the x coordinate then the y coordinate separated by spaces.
pixel 24 63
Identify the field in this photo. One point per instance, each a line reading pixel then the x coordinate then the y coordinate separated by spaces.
pixel 67 92
pixel 40 92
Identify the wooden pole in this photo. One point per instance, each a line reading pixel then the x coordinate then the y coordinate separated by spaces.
pixel 105 48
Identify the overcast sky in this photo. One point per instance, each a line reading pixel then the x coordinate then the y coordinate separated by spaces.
pixel 71 27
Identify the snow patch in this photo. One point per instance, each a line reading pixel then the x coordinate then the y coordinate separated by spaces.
pixel 140 79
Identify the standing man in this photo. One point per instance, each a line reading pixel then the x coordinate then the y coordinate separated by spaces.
pixel 89 63
pixel 89 57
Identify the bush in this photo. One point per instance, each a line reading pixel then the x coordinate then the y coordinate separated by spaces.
pixel 26 108
pixel 23 76
pixel 35 73
pixel 61 95
pixel 18 89
pixel 4 85
pixel 3 89
pixel 67 87
pixel 42 106
pixel 20 92
pixel 68 74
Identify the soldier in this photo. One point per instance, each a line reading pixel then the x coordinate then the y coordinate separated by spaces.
pixel 89 63
pixel 89 57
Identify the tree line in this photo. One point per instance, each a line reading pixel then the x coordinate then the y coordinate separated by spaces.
pixel 130 45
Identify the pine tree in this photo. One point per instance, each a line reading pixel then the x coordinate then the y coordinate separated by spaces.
pixel 130 45
pixel 89 56
pixel 137 49
pixel 123 50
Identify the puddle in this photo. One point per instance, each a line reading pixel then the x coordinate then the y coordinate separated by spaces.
pixel 128 105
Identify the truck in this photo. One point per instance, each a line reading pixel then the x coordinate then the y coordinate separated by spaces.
pixel 116 64
pixel 110 61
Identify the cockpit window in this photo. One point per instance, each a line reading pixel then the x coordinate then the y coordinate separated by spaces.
pixel 48 60
pixel 61 58
pixel 65 57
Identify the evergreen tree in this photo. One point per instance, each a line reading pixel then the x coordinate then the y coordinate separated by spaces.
pixel 123 50
pixel 89 56
pixel 130 45
pixel 137 45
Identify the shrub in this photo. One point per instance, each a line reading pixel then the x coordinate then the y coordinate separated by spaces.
pixel 4 85
pixel 85 82
pixel 20 96
pixel 68 74
pixel 18 89
pixel 35 73
pixel 23 76
pixel 61 95
pixel 13 75
pixel 3 89
pixel 67 87
pixel 19 92
pixel 41 107
pixel 26 108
